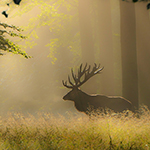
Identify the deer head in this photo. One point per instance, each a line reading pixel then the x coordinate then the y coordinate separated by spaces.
pixel 86 73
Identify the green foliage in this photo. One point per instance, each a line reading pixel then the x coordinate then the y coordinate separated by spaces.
pixel 54 44
pixel 8 46
pixel 112 131
pixel 61 17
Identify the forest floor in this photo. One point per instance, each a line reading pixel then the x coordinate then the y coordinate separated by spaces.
pixel 103 132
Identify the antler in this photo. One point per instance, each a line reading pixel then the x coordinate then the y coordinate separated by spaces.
pixel 86 71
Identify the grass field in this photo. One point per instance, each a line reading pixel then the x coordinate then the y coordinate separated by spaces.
pixel 46 132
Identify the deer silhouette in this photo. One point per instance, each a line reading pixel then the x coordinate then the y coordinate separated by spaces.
pixel 85 101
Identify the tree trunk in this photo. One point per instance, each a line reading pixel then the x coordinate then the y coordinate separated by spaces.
pixel 129 54
pixel 86 35
pixel 106 46
pixel 87 44
pixel 143 48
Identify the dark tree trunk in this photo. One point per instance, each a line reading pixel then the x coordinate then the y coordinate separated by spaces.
pixel 129 54
pixel 143 48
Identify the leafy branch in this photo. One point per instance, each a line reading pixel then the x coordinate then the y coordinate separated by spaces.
pixel 6 45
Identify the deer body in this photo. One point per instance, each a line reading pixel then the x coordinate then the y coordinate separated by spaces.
pixel 84 101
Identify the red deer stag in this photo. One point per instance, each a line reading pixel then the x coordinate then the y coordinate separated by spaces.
pixel 84 101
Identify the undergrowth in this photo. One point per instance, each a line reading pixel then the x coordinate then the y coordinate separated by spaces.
pixel 123 131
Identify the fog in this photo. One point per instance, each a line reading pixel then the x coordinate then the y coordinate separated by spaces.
pixel 35 85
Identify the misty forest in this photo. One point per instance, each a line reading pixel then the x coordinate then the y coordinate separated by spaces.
pixel 47 46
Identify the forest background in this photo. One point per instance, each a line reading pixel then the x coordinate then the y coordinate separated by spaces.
pixel 64 34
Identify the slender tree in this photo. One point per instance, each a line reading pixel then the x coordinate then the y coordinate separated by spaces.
pixel 106 45
pixel 143 49
pixel 86 36
pixel 87 44
pixel 129 54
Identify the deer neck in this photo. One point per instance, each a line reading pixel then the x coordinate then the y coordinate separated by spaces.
pixel 81 103
pixel 82 95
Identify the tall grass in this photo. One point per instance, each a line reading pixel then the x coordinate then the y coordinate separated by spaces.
pixel 46 132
